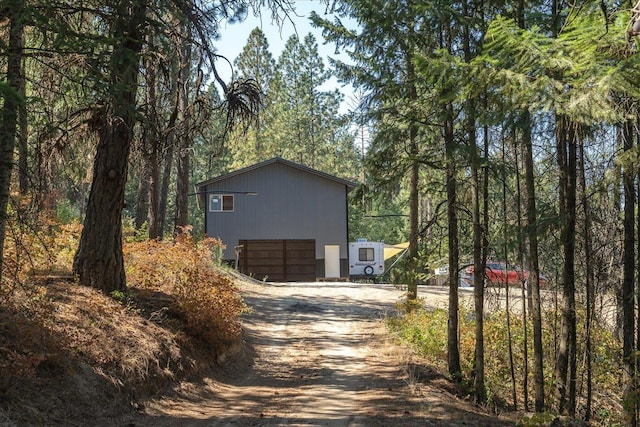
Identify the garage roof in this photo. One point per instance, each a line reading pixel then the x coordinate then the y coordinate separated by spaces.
pixel 350 185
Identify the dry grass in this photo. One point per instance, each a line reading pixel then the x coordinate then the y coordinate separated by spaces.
pixel 117 338
pixel 71 355
pixel 183 277
pixel 72 346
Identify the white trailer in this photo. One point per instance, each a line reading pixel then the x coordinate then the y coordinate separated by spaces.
pixel 366 259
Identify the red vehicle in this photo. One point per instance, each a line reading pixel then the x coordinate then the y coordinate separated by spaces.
pixel 498 273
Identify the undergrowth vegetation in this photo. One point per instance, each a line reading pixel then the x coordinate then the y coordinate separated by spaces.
pixel 425 330
pixel 26 338
pixel 178 297
pixel 208 301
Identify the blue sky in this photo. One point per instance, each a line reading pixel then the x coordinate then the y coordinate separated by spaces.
pixel 234 38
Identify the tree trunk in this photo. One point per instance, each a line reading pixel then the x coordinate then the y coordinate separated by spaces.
pixel 628 321
pixel 571 274
pixel 479 259
pixel 98 261
pixel 453 349
pixel 637 288
pixel 154 192
pixel 534 275
pixel 637 282
pixel 162 151
pixel 562 362
pixel 164 188
pixel 525 125
pixel 10 110
pixel 412 285
pixel 589 282
pixel 23 146
pixel 505 249
pixel 526 296
pixel 152 141
pixel 144 186
pixel 478 290
pixel 182 179
pixel 565 374
pixel 480 223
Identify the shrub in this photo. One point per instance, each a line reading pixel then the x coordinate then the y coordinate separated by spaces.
pixel 185 272
pixel 426 331
pixel 49 248
pixel 208 302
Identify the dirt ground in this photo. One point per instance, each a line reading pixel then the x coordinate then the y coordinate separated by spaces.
pixel 316 354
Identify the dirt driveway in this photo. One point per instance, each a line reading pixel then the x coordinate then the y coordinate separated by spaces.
pixel 317 356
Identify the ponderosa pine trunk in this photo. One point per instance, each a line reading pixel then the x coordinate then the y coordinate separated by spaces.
pixel 98 261
pixel 184 145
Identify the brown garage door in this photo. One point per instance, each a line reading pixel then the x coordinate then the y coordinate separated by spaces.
pixel 279 260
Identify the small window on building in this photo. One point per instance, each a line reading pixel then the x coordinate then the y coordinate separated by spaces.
pixel 365 254
pixel 221 203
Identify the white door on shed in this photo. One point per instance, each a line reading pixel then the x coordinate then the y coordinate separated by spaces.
pixel 331 261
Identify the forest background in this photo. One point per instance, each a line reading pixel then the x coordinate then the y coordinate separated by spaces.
pixel 481 130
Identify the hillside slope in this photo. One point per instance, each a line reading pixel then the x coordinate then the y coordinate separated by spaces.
pixel 74 354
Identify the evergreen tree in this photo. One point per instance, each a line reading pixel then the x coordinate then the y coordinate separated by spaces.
pixel 99 261
pixel 256 62
pixel 298 121
pixel 575 71
pixel 96 263
pixel 383 49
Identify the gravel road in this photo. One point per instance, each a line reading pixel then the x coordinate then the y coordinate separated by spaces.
pixel 317 355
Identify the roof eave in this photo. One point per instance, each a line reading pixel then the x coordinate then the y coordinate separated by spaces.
pixel 272 160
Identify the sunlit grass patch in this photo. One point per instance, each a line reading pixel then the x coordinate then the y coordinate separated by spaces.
pixel 426 331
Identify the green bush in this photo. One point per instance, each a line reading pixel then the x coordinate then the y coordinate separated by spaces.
pixel 426 331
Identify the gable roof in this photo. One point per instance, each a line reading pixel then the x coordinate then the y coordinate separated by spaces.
pixel 280 160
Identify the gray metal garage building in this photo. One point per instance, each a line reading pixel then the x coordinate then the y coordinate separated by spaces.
pixel 287 221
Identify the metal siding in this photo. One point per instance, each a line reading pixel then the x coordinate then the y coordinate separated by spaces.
pixel 291 204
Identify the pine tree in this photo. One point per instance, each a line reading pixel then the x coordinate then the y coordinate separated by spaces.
pixel 383 51
pixel 574 71
pixel 298 121
pixel 256 62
